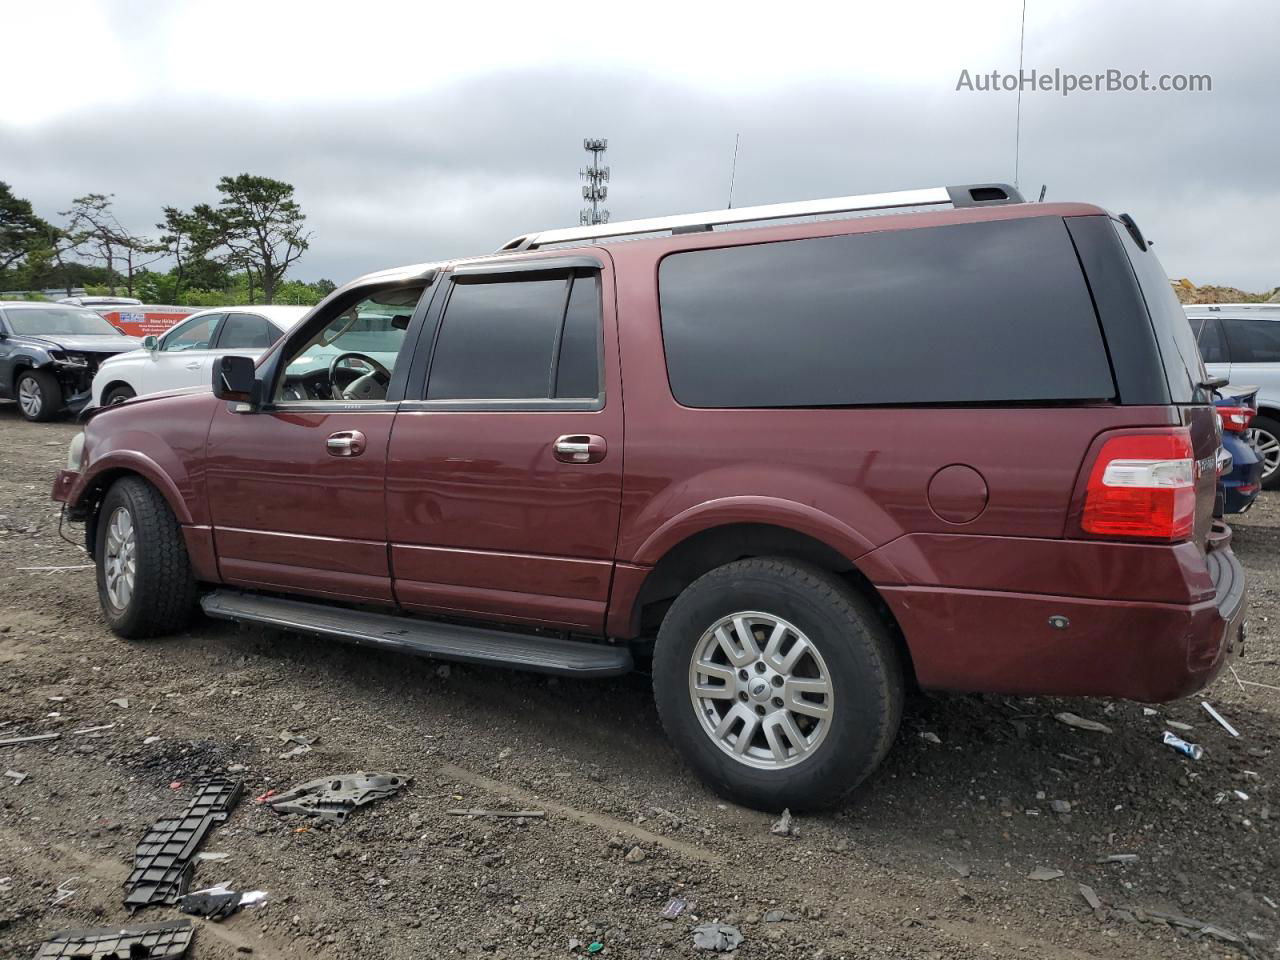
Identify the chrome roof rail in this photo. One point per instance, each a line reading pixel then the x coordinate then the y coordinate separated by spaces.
pixel 968 195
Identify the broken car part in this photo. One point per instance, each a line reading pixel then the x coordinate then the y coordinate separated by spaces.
pixel 163 861
pixel 333 798
pixel 218 902
pixel 161 941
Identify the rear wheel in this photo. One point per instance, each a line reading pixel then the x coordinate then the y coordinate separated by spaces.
pixel 145 583
pixel 39 395
pixel 1266 437
pixel 118 394
pixel 778 683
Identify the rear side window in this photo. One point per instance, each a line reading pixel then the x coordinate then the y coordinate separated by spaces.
pixel 1253 341
pixel 1178 352
pixel 244 331
pixel 505 339
pixel 1208 332
pixel 966 313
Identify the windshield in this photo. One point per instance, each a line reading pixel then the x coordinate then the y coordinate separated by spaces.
pixel 58 321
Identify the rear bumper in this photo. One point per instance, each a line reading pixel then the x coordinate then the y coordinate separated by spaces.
pixel 1039 644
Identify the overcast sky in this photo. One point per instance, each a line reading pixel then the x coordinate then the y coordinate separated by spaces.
pixel 417 131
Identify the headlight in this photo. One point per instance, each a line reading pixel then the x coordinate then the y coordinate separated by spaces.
pixel 75 452
pixel 77 359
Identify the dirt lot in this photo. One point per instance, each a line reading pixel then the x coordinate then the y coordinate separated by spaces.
pixel 931 859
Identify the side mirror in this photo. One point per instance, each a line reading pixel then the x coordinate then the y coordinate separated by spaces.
pixel 234 379
pixel 151 342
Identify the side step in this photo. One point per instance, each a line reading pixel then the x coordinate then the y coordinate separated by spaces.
pixel 444 641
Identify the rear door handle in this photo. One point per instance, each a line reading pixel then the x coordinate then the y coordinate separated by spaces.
pixel 345 443
pixel 580 448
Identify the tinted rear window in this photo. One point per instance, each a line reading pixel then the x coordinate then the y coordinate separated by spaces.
pixel 966 313
pixel 1253 341
pixel 1178 350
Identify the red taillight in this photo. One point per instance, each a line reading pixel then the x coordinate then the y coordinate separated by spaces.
pixel 1143 485
pixel 1236 419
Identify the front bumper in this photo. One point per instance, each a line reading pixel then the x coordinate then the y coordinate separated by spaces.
pixel 1043 645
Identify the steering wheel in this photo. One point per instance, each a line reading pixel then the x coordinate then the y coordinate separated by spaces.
pixel 380 373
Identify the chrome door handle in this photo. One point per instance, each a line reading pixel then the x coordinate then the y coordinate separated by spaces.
pixel 580 448
pixel 193 365
pixel 345 443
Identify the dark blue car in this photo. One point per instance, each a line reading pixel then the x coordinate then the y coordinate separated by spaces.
pixel 1239 486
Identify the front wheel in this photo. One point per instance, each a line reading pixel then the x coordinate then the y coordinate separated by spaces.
pixel 39 395
pixel 778 683
pixel 145 584
pixel 118 395
pixel 1266 437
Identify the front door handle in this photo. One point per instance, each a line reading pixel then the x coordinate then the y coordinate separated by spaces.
pixel 580 448
pixel 345 443
pixel 193 365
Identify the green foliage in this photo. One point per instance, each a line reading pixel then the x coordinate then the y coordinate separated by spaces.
pixel 21 231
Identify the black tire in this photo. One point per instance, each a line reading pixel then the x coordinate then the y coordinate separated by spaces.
pixel 118 395
pixel 163 595
pixel 46 388
pixel 864 668
pixel 1272 427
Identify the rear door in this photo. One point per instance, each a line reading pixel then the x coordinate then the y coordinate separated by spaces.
pixel 504 472
pixel 184 356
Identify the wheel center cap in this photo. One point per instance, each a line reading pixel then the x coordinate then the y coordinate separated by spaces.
pixel 758 688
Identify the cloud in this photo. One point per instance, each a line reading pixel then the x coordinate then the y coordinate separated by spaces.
pixel 442 145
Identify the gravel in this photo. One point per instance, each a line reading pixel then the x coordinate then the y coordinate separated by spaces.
pixel 931 858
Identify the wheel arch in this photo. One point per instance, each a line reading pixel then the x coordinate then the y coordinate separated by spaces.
pixel 699 552
pixel 95 487
pixel 102 397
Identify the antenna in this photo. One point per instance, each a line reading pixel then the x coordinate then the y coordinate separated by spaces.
pixel 733 171
pixel 1017 137
pixel 594 189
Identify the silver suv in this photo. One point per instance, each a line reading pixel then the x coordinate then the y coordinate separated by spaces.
pixel 1241 341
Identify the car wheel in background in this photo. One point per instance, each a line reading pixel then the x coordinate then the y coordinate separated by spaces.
pixel 778 683
pixel 39 395
pixel 1265 435
pixel 145 583
pixel 118 395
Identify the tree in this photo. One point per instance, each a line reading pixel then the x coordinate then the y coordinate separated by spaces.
pixel 190 239
pixel 21 231
pixel 261 225
pixel 95 232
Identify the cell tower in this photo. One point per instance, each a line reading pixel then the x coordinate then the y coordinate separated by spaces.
pixel 594 190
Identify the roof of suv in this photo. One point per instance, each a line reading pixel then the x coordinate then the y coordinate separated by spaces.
pixel 281 315
pixel 1256 311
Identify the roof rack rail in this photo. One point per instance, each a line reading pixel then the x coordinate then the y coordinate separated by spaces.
pixel 967 195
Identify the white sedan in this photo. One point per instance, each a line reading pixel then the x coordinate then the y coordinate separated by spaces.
pixel 183 356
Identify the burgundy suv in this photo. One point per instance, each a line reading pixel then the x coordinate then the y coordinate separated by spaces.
pixel 797 466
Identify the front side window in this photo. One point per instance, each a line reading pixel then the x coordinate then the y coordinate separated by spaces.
pixel 1209 339
pixel 354 355
pixel 58 321
pixel 1253 341
pixel 196 334
pixel 519 339
pixel 245 331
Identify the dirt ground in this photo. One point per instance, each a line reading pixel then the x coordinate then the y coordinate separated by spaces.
pixel 931 859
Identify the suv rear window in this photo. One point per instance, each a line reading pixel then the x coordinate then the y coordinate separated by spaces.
pixel 1253 341
pixel 1178 351
pixel 966 313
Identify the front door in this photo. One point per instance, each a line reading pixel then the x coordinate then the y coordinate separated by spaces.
pixel 296 488
pixel 504 472
pixel 183 356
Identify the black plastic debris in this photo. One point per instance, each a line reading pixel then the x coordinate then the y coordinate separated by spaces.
pixel 160 941
pixel 333 798
pixel 163 861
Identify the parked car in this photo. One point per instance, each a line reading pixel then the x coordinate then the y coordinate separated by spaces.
pixel 183 356
pixel 755 514
pixel 49 353
pixel 1241 341
pixel 1240 484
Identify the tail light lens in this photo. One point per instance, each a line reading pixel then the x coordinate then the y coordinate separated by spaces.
pixel 1236 419
pixel 1143 485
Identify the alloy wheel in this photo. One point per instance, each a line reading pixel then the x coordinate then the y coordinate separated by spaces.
pixel 30 397
pixel 761 690
pixel 120 565
pixel 1269 449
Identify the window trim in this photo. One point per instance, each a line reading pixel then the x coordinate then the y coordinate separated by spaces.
pixel 243 313
pixel 573 268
